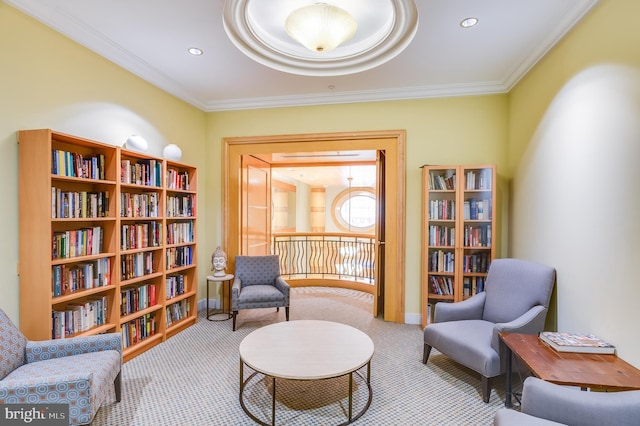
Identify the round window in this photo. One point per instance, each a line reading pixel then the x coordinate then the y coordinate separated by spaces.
pixel 355 210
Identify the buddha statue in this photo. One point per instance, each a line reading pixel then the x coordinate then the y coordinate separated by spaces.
pixel 219 262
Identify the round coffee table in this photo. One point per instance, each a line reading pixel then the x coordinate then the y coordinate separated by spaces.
pixel 306 350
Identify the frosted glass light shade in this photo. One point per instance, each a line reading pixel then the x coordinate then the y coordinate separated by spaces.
pixel 320 27
pixel 137 143
pixel 172 152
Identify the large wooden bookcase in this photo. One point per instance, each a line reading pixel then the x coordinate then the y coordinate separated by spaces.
pixel 107 241
pixel 458 232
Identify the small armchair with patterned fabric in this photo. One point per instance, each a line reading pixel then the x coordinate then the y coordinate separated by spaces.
pixel 258 284
pixel 79 371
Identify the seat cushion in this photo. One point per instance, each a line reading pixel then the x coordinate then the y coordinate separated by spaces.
pixel 260 296
pixel 467 342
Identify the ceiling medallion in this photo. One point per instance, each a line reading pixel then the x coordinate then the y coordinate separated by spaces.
pixel 384 29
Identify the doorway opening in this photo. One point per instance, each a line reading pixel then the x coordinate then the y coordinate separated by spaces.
pixel 324 218
pixel 390 167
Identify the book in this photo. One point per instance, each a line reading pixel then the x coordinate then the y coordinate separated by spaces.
pixel 576 342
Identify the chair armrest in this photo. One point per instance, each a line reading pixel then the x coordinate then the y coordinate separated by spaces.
pixel 282 285
pixel 531 322
pixel 235 291
pixel 14 391
pixel 573 406
pixel 8 383
pixel 467 309
pixel 58 348
pixel 284 288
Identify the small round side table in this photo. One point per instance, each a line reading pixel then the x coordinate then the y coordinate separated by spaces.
pixel 224 279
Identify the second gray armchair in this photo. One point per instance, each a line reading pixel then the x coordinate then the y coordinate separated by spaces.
pixel 515 300
pixel 546 404
pixel 258 284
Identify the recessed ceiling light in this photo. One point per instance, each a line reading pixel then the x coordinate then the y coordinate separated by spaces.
pixel 195 51
pixel 468 22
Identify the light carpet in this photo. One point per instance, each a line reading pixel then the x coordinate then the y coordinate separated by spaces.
pixel 193 377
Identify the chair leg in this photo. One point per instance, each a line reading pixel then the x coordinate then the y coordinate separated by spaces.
pixel 425 354
pixel 277 308
pixel 486 388
pixel 118 385
pixel 286 312
pixel 234 320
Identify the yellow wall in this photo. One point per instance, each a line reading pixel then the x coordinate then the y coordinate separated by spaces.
pixel 464 130
pixel 49 81
pixel 575 152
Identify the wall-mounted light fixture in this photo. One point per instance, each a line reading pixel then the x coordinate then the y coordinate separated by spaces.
pixel 137 143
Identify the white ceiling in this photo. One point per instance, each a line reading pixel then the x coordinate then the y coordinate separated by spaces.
pixel 150 38
pixel 329 176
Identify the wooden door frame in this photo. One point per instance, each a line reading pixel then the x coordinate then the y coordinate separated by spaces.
pixel 390 141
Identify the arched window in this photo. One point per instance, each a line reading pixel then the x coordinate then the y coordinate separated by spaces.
pixel 354 210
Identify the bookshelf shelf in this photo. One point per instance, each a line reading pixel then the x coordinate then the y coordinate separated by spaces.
pixel 136 349
pixel 180 297
pixel 104 328
pixel 142 312
pixel 179 325
pixel 57 300
pixel 458 232
pixel 72 188
pixel 140 279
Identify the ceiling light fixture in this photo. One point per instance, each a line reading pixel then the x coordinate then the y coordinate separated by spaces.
pixel 195 51
pixel 468 22
pixel 320 27
pixel 257 28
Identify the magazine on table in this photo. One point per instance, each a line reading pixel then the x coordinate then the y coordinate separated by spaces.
pixel 576 342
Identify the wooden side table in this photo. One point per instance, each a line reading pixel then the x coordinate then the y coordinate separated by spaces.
pixel 588 371
pixel 224 279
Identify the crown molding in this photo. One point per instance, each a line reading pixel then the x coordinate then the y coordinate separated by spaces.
pixel 94 41
pixel 405 93
pixel 577 13
pixel 91 39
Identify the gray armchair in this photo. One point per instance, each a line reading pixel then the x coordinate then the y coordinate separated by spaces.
pixel 545 403
pixel 515 300
pixel 258 284
pixel 79 371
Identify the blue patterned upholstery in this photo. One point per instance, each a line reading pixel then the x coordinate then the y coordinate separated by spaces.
pixel 12 346
pixel 77 371
pixel 258 284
